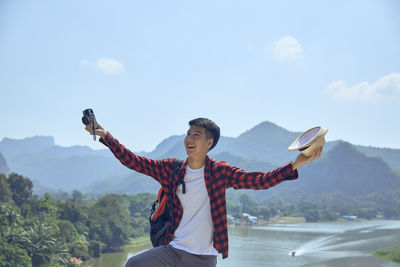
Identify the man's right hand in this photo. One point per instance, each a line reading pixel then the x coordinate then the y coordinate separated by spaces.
pixel 100 131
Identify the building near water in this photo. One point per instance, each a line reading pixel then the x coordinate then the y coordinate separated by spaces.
pixel 252 219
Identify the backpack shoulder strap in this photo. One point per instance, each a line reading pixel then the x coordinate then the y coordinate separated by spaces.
pixel 178 163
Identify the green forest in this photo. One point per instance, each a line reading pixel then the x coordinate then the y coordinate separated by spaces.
pixel 65 230
pixel 61 229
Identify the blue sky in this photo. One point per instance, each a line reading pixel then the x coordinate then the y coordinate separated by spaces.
pixel 148 67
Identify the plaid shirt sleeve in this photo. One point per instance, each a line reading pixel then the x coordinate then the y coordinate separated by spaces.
pixel 154 168
pixel 240 179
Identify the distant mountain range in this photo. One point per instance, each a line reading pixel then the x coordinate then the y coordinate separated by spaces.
pixel 343 176
pixel 56 167
pixel 343 169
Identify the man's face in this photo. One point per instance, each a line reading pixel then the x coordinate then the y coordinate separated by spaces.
pixel 196 142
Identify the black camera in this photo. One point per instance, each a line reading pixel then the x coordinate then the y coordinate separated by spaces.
pixel 88 117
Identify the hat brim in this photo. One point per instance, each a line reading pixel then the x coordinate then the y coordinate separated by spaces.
pixel 306 139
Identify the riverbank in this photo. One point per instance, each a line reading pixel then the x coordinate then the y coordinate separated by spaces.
pixel 140 241
pixel 391 254
pixel 134 246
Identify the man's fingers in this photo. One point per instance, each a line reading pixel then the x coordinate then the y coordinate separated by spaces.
pixel 98 131
pixel 89 128
pixel 318 153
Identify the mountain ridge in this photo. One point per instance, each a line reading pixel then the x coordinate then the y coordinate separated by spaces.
pixel 78 167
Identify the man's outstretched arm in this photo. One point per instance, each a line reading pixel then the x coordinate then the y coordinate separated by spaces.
pixel 154 168
pixel 240 179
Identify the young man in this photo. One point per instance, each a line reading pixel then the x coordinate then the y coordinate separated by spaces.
pixel 199 231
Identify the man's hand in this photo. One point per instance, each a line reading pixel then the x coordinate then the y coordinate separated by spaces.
pixel 100 131
pixel 301 159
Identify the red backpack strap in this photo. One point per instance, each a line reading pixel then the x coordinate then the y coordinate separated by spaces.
pixel 162 203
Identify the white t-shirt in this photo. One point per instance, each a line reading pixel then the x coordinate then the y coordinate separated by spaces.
pixel 196 230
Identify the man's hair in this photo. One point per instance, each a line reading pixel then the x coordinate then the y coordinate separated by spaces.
pixel 212 129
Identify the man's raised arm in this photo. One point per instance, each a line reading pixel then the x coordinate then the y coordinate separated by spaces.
pixel 240 179
pixel 158 169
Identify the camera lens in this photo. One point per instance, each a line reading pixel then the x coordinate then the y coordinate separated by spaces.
pixel 85 121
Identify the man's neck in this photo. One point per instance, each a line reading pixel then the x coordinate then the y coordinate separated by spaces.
pixel 196 163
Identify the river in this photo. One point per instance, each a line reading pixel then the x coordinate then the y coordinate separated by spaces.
pixel 316 244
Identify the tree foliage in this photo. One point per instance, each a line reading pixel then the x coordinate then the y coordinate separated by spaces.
pixel 21 188
pixel 50 230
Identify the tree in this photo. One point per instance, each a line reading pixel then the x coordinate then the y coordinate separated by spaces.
pixel 264 211
pixel 21 188
pixel 40 243
pixel 70 211
pixel 139 205
pixel 109 222
pixel 391 212
pixel 233 208
pixel 312 215
pixel 44 207
pixel 12 255
pixel 77 197
pixel 79 249
pixel 5 190
pixel 246 203
pixel 67 232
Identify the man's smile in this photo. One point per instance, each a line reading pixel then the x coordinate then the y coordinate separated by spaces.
pixel 190 146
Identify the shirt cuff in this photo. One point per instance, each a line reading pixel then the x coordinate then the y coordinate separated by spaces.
pixel 291 174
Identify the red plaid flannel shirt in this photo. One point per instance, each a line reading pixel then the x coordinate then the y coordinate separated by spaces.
pixel 218 175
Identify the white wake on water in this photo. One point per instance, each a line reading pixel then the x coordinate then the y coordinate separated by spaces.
pixel 334 243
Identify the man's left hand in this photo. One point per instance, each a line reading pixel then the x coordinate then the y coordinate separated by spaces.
pixel 301 159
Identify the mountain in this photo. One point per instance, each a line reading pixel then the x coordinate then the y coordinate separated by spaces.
pixel 266 142
pixel 166 146
pixel 389 155
pixel 12 147
pixel 3 165
pixel 246 164
pixel 79 167
pixel 57 167
pixel 343 174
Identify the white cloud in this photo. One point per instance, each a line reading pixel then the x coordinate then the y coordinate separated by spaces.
pixel 109 65
pixel 386 87
pixel 84 62
pixel 287 49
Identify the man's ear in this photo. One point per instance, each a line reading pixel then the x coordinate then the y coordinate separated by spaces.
pixel 210 143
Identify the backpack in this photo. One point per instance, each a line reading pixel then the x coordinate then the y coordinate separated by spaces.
pixel 160 216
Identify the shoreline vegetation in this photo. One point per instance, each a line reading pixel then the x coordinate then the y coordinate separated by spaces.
pixel 391 254
pixel 135 244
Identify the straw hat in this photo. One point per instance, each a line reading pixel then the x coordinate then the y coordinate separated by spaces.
pixel 310 140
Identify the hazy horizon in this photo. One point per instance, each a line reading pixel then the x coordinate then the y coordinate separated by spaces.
pixel 164 138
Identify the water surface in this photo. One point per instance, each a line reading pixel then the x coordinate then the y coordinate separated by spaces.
pixel 316 244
